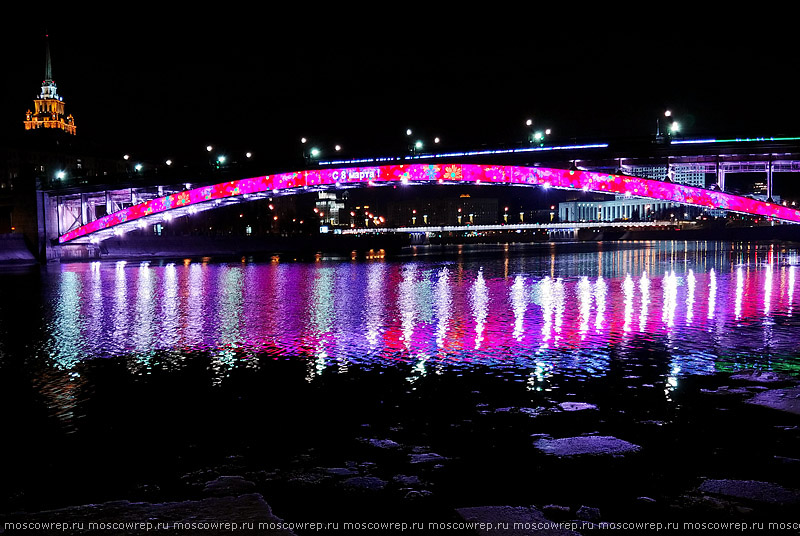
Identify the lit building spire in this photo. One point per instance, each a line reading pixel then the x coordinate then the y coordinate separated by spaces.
pixel 49 107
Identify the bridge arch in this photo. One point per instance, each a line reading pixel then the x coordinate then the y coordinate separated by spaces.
pixel 206 197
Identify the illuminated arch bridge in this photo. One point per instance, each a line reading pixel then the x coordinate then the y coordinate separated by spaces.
pixel 208 197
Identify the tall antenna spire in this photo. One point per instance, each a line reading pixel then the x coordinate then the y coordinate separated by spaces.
pixel 48 68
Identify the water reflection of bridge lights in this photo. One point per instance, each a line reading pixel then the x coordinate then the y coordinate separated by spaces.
pixel 644 290
pixel 739 292
pixel 480 300
pixel 519 303
pixel 415 311
pixel 627 290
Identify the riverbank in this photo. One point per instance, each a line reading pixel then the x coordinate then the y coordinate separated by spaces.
pixel 625 448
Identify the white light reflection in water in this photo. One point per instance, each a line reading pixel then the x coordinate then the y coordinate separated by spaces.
pixel 690 282
pixel 739 292
pixel 196 304
pixel 66 329
pixel 670 289
pixel 407 303
pixel 443 306
pixel 120 314
pixel 712 293
pixel 544 297
pixel 95 315
pixel 644 290
pixel 144 318
pixel 585 298
pixel 374 304
pixel 791 287
pixel 321 310
pixel 672 381
pixel 480 300
pixel 627 290
pixel 170 307
pixel 519 304
pixel 767 289
pixel 231 300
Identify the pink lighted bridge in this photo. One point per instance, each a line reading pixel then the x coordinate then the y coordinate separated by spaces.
pixel 206 197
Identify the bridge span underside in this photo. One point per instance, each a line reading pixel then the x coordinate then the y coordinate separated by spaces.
pixel 208 197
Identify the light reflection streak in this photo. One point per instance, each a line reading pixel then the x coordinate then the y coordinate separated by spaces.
pixel 144 319
pixel 519 304
pixel 120 314
pixel 170 307
pixel 443 306
pixel 791 287
pixel 670 290
pixel 712 293
pixel 767 289
pixel 644 290
pixel 585 298
pixel 66 341
pixel 374 304
pixel 480 300
pixel 230 298
pixel 739 292
pixel 559 299
pixel 547 302
pixel 196 305
pixel 627 290
pixel 407 303
pixel 690 282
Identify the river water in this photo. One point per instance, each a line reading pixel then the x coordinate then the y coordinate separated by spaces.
pixel 92 354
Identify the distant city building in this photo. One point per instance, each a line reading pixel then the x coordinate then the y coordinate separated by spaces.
pixel 49 107
pixel 635 208
pixel 450 211
pixel 329 206
pixel 638 209
pixel 675 173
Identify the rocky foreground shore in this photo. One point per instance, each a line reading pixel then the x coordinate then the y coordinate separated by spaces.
pixel 725 449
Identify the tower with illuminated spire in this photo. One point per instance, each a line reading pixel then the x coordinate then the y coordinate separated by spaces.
pixel 48 106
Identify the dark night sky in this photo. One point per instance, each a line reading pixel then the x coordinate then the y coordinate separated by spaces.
pixel 242 79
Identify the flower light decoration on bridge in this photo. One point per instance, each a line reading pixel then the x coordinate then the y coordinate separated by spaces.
pixel 298 182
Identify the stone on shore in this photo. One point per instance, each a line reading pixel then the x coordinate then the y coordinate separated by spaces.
pixel 787 400
pixel 762 377
pixel 585 446
pixel 751 490
pixel 528 520
pixel 198 516
pixel 228 485
pixel 576 406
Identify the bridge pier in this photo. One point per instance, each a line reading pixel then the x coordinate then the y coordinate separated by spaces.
pixel 769 179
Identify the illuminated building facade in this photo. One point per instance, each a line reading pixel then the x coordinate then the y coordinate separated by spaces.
pixel 48 106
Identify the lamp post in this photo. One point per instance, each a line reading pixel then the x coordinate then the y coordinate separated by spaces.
pixel 671 128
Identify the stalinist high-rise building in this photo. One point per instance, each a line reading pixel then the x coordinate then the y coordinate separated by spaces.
pixel 48 106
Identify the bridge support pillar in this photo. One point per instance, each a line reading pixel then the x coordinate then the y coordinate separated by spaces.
pixel 769 180
pixel 721 178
